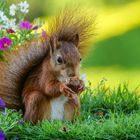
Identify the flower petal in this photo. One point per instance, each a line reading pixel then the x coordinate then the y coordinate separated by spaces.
pixel 5 43
pixel 2 135
pixel 25 25
pixel 2 104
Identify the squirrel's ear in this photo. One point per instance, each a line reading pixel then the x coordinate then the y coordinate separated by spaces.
pixel 75 39
pixel 53 43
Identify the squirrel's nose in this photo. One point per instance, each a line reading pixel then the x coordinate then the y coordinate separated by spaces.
pixel 71 75
pixel 71 72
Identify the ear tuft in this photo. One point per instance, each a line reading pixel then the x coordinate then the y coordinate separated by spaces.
pixel 75 40
pixel 53 43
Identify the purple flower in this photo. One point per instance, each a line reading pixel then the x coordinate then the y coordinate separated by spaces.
pixel 21 122
pixel 4 113
pixel 2 104
pixel 14 110
pixel 44 35
pixel 25 25
pixel 5 43
pixel 10 31
pixel 2 135
pixel 35 28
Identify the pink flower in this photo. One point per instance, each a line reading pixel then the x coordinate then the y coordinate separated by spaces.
pixel 5 43
pixel 35 28
pixel 25 25
pixel 10 31
pixel 44 35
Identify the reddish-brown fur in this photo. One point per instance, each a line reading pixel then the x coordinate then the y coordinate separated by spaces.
pixel 28 79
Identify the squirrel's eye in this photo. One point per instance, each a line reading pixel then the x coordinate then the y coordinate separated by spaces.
pixel 80 59
pixel 59 60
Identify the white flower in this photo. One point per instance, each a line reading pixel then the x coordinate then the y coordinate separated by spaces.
pixel 84 78
pixel 24 7
pixel 10 24
pixel 13 9
pixel 2 16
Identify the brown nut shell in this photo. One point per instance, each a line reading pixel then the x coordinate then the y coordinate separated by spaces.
pixel 74 84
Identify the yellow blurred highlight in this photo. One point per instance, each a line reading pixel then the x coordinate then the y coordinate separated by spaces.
pixel 114 76
pixel 115 21
pixel 112 21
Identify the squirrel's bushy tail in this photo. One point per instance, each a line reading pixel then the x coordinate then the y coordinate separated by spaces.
pixel 71 21
pixel 14 72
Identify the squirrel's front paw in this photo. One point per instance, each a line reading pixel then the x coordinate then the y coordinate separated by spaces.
pixel 81 86
pixel 66 91
pixel 76 85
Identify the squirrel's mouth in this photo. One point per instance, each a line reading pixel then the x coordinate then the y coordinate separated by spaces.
pixel 64 79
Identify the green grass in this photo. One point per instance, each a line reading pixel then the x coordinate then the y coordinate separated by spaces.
pixel 105 114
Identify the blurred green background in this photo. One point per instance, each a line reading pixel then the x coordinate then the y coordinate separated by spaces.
pixel 115 53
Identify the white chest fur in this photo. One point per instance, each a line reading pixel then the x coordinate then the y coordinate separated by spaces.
pixel 57 108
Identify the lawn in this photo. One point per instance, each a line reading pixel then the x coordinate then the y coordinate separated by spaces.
pixel 105 114
pixel 108 110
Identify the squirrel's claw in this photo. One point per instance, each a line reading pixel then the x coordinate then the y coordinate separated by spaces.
pixel 81 87
pixel 66 90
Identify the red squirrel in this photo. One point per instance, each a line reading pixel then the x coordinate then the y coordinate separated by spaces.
pixel 42 76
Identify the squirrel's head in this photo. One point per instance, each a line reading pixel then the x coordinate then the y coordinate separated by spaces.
pixel 65 57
